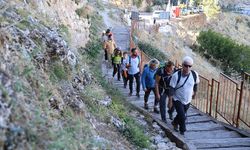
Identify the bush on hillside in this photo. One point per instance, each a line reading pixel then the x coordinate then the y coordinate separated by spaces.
pixel 152 51
pixel 231 54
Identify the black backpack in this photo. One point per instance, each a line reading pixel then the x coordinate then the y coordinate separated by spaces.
pixel 179 78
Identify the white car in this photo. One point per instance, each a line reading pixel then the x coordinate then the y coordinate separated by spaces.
pixel 156 14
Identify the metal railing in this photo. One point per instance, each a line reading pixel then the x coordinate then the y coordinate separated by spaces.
pixel 227 100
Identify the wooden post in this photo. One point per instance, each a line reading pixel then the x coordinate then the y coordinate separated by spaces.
pixel 240 101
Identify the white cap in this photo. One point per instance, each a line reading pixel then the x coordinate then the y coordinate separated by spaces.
pixel 188 59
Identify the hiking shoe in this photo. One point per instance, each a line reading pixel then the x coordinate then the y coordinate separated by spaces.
pixel 138 95
pixel 175 126
pixel 164 120
pixel 170 116
pixel 145 105
pixel 182 133
pixel 130 94
pixel 156 110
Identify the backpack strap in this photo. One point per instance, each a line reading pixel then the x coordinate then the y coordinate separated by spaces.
pixel 179 78
pixel 194 76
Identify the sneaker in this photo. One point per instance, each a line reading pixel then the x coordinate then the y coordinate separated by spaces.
pixel 164 120
pixel 170 116
pixel 145 105
pixel 175 126
pixel 138 95
pixel 130 94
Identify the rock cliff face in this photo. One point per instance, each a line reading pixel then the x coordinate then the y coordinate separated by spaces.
pixel 62 12
pixel 44 79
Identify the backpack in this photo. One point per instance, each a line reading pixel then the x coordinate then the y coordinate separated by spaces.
pixel 162 80
pixel 179 78
pixel 145 66
pixel 179 75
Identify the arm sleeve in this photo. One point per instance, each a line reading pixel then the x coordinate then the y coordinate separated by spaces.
pixel 172 84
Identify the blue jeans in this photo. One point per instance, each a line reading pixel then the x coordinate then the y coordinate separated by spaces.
pixel 163 106
pixel 147 93
pixel 180 118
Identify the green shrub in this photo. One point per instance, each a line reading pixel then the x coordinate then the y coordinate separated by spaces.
pixel 138 3
pixel 24 24
pixel 231 54
pixel 58 72
pixel 64 31
pixel 149 9
pixel 152 51
pixel 159 2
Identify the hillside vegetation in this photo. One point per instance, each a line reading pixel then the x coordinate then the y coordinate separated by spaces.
pixel 49 66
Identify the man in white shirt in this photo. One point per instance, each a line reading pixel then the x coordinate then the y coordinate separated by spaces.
pixel 183 87
pixel 133 66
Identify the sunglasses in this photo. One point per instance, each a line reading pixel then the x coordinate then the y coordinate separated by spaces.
pixel 185 65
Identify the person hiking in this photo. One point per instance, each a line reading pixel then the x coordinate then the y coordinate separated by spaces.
pixel 183 88
pixel 104 38
pixel 148 82
pixel 116 61
pixel 109 46
pixel 162 80
pixel 133 65
pixel 124 69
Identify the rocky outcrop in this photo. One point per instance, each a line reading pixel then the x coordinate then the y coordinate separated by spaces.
pixel 63 12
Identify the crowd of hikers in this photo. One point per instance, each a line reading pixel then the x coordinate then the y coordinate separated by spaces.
pixel 173 88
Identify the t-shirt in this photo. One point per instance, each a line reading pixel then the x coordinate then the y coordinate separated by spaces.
pixel 124 64
pixel 183 94
pixel 134 65
pixel 117 59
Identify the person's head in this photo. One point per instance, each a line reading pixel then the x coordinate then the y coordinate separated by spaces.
pixel 187 63
pixel 108 31
pixel 134 51
pixel 169 66
pixel 153 63
pixel 117 51
pixel 125 54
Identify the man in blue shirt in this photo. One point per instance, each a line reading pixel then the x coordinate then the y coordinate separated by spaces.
pixel 148 82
